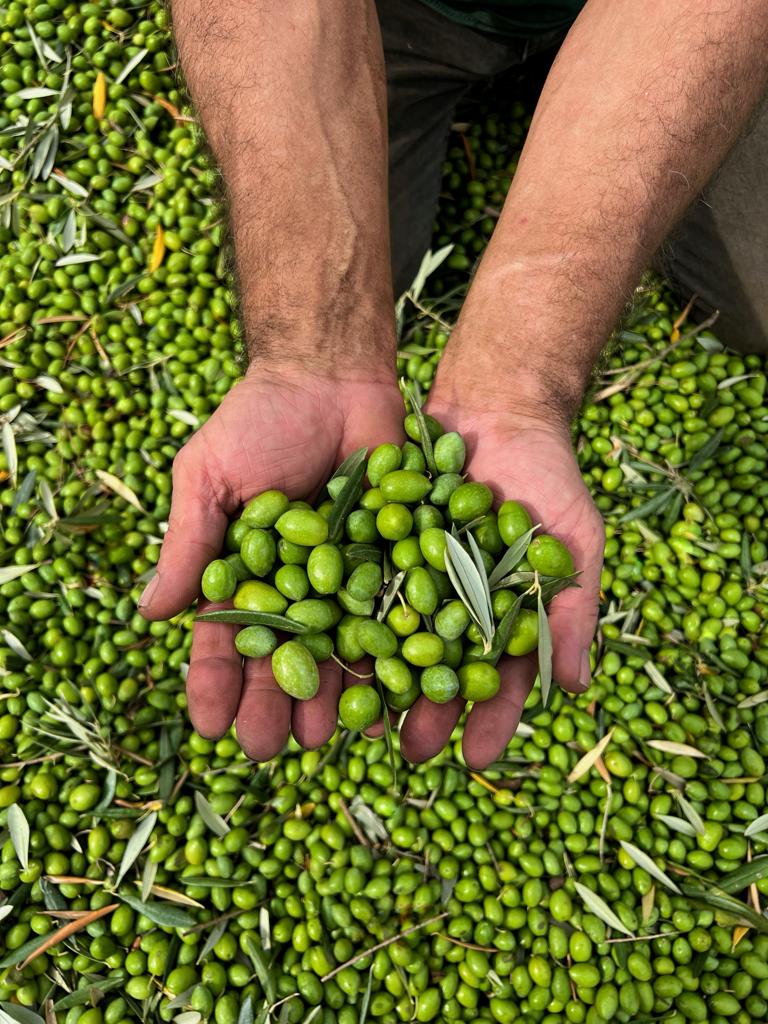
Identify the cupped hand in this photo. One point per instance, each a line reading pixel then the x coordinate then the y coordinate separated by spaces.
pixel 275 429
pixel 529 459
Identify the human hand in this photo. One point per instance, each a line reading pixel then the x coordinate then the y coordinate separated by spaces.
pixel 530 459
pixel 275 429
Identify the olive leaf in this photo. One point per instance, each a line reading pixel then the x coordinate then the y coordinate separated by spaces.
pixel 648 864
pixel 585 762
pixel 16 956
pixel 551 586
pixel 502 633
pixel 424 439
pixel 475 549
pixel 350 464
pixel 147 181
pixel 245 618
pixel 9 447
pixel 676 749
pixel 5 911
pixel 368 820
pixel 365 1002
pixel 164 914
pixel 214 821
pixel 265 932
pixel 18 826
pixel 745 558
pixel 745 875
pixel 133 63
pixel 717 899
pixel 653 505
pixel 111 481
pixel 758 825
pixel 204 882
pixel 691 813
pixel 706 451
pixel 92 993
pixel 136 844
pixel 262 970
pixel 355 554
pixel 389 595
pixel 470 586
pixel 213 937
pixel 16 1014
pixel 597 906
pixel 148 876
pixel 170 738
pixel 8 572
pixel 544 651
pixel 657 678
pixel 25 490
pixel 15 644
pixel 387 734
pixel 514 554
pixel 677 824
pixel 246 1011
pixel 108 792
pixel 346 500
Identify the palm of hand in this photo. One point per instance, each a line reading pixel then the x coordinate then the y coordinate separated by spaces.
pixel 289 434
pixel 533 463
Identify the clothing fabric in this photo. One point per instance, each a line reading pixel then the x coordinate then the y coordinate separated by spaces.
pixel 718 252
pixel 512 18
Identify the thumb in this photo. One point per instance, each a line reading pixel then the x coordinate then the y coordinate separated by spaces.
pixel 196 528
pixel 572 620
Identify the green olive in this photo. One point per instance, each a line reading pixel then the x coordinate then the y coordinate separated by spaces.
pixel 359 707
pixel 219 580
pixel 295 670
pixel 478 681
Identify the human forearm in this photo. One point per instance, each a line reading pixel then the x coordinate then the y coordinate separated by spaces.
pixel 641 106
pixel 292 97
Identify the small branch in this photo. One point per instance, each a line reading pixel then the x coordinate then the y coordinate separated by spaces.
pixel 359 836
pixel 383 945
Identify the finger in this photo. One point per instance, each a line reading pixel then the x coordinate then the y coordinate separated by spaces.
pixel 572 620
pixel 377 729
pixel 491 724
pixel 428 727
pixel 264 716
pixel 314 721
pixel 196 527
pixel 215 676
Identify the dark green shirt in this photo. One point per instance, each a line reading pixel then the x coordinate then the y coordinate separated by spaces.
pixel 516 18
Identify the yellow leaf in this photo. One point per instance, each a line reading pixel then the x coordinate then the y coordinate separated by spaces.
pixel 99 95
pixel 590 758
pixel 738 934
pixel 648 900
pixel 122 490
pixel 158 250
pixel 483 782
pixel 174 897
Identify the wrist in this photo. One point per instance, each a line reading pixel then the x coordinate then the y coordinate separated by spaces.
pixel 484 381
pixel 360 352
pixel 301 366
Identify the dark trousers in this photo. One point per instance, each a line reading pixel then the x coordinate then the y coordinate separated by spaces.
pixel 718 252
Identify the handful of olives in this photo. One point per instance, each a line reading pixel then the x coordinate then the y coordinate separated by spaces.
pixel 414 570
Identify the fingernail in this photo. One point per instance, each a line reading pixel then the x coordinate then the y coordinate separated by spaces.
pixel 146 595
pixel 585 670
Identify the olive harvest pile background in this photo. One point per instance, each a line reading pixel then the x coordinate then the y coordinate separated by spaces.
pixel 611 867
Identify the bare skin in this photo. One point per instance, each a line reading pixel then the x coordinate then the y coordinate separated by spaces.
pixel 640 108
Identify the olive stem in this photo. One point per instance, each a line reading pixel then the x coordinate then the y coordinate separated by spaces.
pixel 346 668
pixel 382 945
